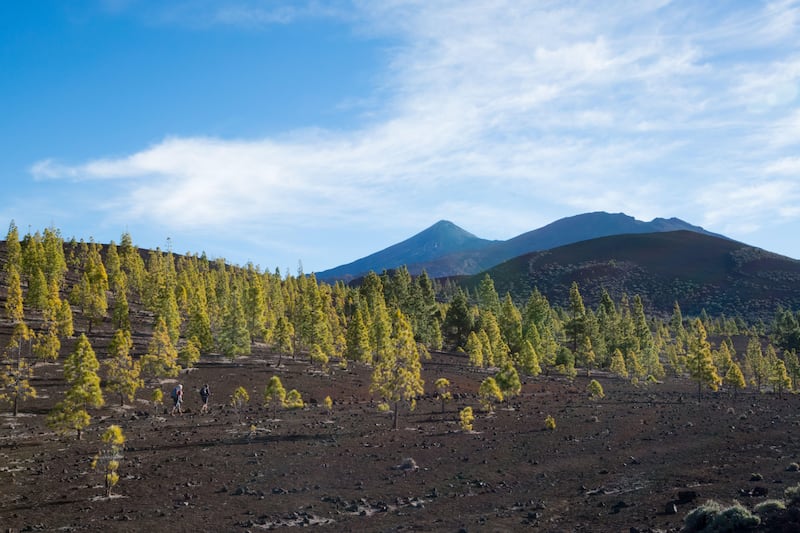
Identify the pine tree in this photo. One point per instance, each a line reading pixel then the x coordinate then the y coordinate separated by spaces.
pixel 442 387
pixel 757 365
pixel 80 372
pixel 397 376
pixel 489 392
pixel 122 372
pixel 13 249
pixel 15 383
pixel 780 377
pixel 699 361
pixel 508 381
pixel 510 322
pixel 189 354
pixel 161 359
pixel 274 393
pixel 108 458
pixel 575 327
pixel 498 347
pixel 647 347
pixel 488 299
pixel 357 347
pixel 458 321
pixel 618 366
pixel 120 314
pixel 734 378
pixel 474 349
pixel 283 338
pixel 529 359
pixel 234 338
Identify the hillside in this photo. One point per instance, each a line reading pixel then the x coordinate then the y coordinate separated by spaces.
pixel 697 270
pixel 446 250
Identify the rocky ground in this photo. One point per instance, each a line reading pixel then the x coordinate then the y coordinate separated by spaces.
pixel 639 459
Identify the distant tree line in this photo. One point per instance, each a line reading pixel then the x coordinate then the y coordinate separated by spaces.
pixel 195 306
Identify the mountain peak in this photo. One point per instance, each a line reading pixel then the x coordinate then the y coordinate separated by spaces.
pixel 441 239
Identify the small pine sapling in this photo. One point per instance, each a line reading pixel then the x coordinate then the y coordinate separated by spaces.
pixel 109 456
pixel 157 398
pixel 274 393
pixel 328 403
pixel 294 400
pixel 239 399
pixel 442 386
pixel 550 423
pixel 595 390
pixel 466 417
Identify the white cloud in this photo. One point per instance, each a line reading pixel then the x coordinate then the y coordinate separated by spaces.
pixel 615 106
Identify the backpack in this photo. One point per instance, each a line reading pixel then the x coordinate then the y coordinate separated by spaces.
pixel 174 393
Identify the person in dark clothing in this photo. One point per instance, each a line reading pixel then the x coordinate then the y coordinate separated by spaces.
pixel 205 392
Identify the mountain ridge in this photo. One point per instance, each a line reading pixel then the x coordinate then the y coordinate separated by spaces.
pixel 699 271
pixel 445 249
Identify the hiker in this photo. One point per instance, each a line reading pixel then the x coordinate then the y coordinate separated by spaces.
pixel 177 397
pixel 204 394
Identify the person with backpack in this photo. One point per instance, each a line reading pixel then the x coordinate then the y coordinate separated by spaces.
pixel 205 392
pixel 177 397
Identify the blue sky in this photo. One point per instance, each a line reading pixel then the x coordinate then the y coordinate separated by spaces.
pixel 279 132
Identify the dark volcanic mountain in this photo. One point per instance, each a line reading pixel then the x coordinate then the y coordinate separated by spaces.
pixel 699 271
pixel 445 250
pixel 441 239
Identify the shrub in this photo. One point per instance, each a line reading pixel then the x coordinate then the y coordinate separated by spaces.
pixel 294 400
pixel 466 418
pixel 328 403
pixel 550 423
pixel 792 494
pixel 769 507
pixel 595 390
pixel 711 517
pixel 383 407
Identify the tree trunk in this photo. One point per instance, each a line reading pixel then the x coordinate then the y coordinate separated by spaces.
pixel 396 410
pixel 16 404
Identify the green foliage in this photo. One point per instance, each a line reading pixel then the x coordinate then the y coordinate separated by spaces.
pixel 161 359
pixel 122 372
pixel 397 376
pixel 508 381
pixel 618 366
pixel 442 387
pixel 274 393
pixel 107 459
pixel 294 400
pixel 595 390
pixel 489 392
pixel 80 372
pixel 769 507
pixel 189 354
pixel 15 386
pixel 466 417
pixel 792 494
pixel 239 400
pixel 711 517
pixel 474 349
pixel 550 423
pixel 328 403
pixel 699 361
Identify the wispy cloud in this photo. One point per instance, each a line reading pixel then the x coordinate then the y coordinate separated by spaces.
pixel 638 106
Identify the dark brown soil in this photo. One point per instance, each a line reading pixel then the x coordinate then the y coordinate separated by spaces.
pixel 640 458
